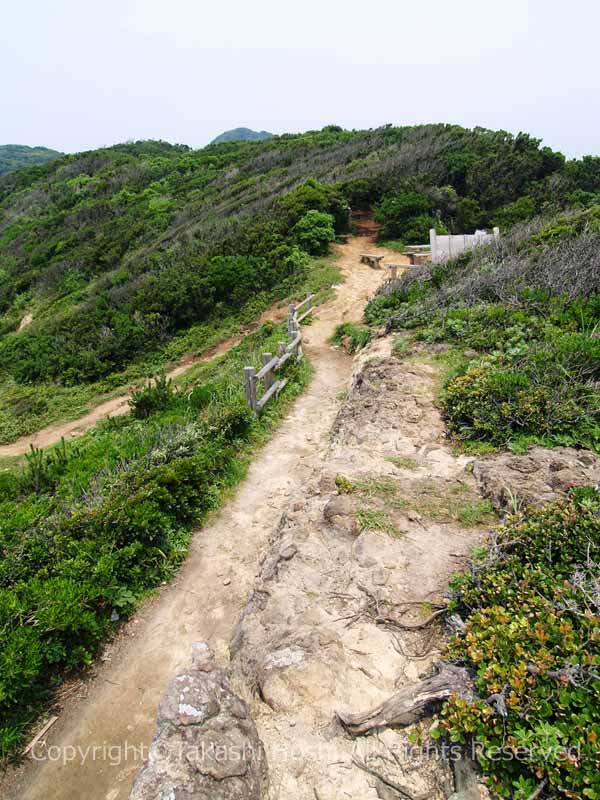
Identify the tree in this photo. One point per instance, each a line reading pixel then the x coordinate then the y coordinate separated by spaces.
pixel 314 231
pixel 396 212
pixel 468 216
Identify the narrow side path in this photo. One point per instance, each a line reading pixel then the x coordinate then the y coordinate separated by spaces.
pixel 118 712
pixel 117 406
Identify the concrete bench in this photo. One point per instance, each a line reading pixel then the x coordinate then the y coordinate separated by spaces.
pixel 371 259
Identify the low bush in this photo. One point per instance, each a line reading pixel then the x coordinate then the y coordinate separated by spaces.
pixel 532 609
pixel 407 216
pixel 156 395
pixel 351 337
pixel 533 373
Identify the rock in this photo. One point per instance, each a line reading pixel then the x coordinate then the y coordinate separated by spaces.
pixel 206 744
pixel 539 477
pixel 339 513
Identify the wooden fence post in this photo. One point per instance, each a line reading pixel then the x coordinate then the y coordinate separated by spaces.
pixel 291 312
pixel 266 357
pixel 250 387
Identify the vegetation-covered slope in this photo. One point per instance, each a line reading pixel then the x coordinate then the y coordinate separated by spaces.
pixel 521 319
pixel 17 156
pixel 106 256
pixel 528 313
pixel 241 135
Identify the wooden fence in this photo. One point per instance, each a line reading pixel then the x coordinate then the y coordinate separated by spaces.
pixel 271 363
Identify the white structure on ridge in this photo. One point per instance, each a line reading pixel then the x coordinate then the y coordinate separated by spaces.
pixel 447 246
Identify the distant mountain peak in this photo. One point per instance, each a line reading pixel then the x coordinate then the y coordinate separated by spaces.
pixel 242 134
pixel 17 156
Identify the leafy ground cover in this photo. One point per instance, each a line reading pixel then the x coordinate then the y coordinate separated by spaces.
pixel 532 608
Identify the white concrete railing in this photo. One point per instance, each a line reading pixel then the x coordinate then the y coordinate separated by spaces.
pixel 447 246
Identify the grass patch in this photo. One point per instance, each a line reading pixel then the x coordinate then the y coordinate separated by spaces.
pixel 454 502
pixel 401 346
pixel 478 512
pixel 371 519
pixel 404 462
pixel 397 245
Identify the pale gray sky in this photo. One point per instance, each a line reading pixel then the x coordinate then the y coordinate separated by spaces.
pixel 78 74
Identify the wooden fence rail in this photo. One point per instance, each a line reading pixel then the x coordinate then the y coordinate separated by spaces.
pixel 272 364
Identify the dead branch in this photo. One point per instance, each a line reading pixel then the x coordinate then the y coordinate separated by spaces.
pixel 538 790
pixel 386 781
pixel 411 626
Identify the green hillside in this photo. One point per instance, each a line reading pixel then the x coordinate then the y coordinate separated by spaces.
pixel 118 253
pixel 242 135
pixel 17 156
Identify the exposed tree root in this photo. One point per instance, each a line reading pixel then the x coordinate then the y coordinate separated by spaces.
pixel 411 626
pixel 385 780
pixel 413 702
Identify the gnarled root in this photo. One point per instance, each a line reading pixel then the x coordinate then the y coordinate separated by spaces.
pixel 413 702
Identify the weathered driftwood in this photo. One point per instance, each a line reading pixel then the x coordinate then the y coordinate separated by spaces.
pixel 413 702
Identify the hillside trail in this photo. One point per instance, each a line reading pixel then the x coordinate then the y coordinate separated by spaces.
pixel 114 711
pixel 117 406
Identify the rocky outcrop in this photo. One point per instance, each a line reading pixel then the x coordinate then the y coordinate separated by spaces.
pixel 206 746
pixel 537 478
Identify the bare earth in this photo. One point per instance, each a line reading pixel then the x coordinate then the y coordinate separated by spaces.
pixel 117 706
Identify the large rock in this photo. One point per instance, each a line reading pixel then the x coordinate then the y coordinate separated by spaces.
pixel 206 746
pixel 537 478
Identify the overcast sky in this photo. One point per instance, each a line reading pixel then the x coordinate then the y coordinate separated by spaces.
pixel 79 74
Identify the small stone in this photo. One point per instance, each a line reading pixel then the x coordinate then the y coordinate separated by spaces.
pixel 227 581
pixel 288 552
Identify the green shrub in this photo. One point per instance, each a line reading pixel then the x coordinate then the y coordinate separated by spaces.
pixel 532 611
pixel 156 395
pixel 407 216
pixel 518 211
pixel 314 231
pixel 499 403
pixel 351 337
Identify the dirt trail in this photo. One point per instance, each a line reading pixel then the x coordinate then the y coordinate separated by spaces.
pixel 117 707
pixel 117 406
pixel 375 534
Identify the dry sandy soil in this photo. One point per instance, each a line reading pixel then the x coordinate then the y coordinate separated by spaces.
pixel 116 707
